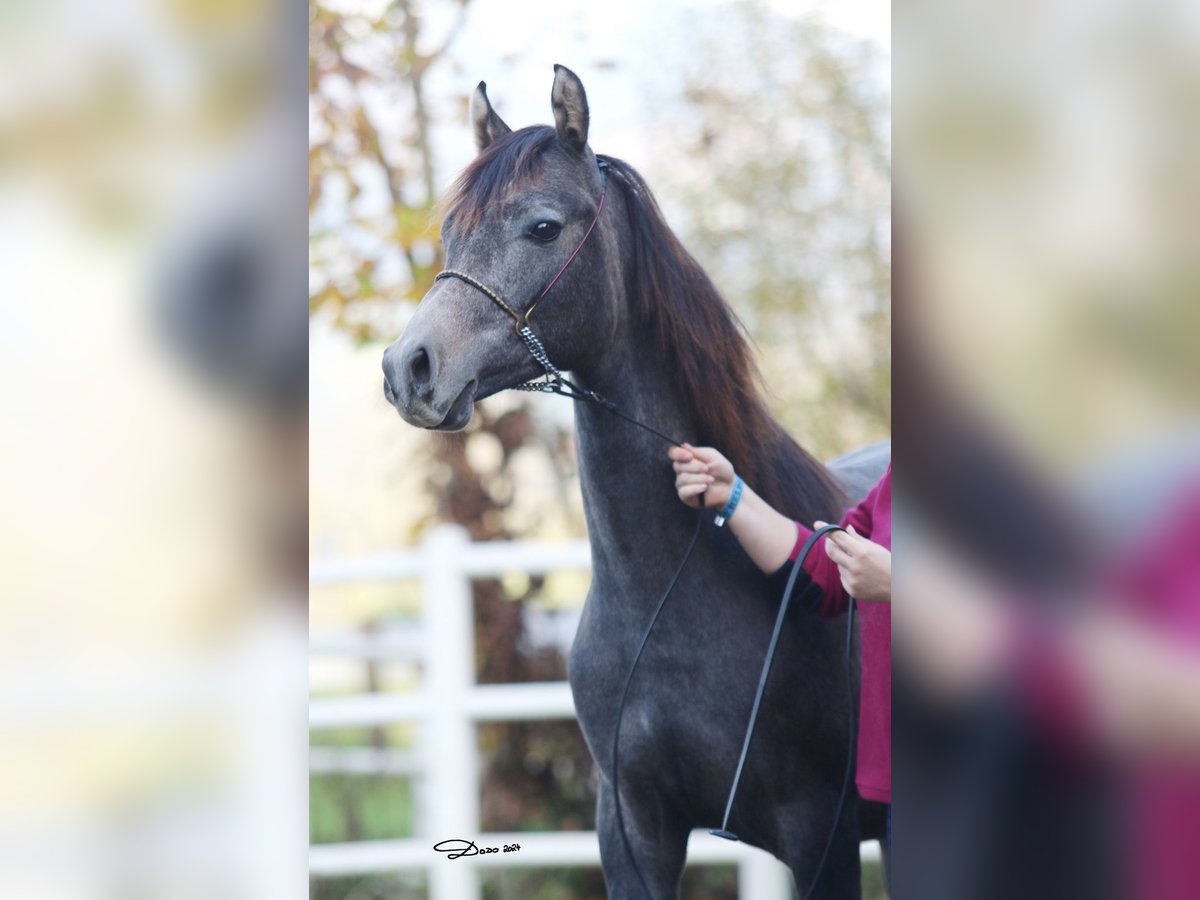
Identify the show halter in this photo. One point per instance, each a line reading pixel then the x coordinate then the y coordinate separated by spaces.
pixel 554 382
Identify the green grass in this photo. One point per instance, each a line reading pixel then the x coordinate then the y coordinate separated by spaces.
pixel 872 881
pixel 398 735
pixel 352 807
pixel 369 887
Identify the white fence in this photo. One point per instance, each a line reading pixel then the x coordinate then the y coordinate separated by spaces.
pixel 450 705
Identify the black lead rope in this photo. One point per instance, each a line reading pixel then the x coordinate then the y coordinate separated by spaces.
pixel 562 386
pixel 723 831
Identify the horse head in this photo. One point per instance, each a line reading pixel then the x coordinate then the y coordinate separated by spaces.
pixel 513 220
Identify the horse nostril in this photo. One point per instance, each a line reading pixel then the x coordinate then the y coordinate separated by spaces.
pixel 418 368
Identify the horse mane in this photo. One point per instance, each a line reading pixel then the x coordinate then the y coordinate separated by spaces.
pixel 692 329
pixel 705 344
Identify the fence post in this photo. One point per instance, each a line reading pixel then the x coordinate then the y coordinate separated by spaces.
pixel 450 807
pixel 762 877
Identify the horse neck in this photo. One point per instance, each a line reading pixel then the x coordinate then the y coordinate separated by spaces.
pixel 626 477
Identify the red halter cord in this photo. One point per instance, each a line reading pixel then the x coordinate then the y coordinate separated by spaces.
pixel 575 252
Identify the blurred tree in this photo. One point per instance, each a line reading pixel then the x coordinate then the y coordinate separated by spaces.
pixel 773 159
pixel 372 173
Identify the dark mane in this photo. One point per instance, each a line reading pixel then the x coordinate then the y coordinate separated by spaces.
pixel 702 341
pixel 693 329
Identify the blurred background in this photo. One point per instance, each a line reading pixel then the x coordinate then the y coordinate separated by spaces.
pixel 764 129
pixel 152 495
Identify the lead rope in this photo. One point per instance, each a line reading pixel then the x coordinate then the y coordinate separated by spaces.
pixel 723 831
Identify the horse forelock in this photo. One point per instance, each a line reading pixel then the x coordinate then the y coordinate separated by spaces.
pixel 502 165
pixel 704 343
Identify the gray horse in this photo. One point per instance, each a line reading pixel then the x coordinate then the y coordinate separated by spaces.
pixel 633 317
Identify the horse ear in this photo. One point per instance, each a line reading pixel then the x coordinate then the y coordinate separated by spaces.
pixel 569 103
pixel 488 125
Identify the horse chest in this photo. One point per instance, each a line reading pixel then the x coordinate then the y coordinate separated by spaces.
pixel 680 686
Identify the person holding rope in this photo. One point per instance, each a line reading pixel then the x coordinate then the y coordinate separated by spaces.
pixel 855 563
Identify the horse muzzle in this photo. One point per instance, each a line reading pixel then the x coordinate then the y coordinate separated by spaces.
pixel 411 384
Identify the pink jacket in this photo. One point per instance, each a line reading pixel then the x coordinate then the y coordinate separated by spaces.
pixel 872 518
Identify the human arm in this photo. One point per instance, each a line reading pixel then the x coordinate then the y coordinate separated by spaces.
pixel 844 564
pixel 765 534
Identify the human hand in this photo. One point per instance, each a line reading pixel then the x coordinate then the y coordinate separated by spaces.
pixel 702 470
pixel 865 567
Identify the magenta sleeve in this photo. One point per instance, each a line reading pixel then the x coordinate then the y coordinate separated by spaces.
pixel 822 569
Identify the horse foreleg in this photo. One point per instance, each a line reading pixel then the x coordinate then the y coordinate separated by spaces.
pixel 808 832
pixel 659 845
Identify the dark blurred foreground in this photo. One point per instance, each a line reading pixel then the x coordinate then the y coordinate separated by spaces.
pixel 1047 620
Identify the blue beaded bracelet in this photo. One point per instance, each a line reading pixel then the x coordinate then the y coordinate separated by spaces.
pixel 734 497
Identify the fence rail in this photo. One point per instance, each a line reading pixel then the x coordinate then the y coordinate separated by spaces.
pixel 450 705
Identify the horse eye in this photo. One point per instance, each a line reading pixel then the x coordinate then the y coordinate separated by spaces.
pixel 545 231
